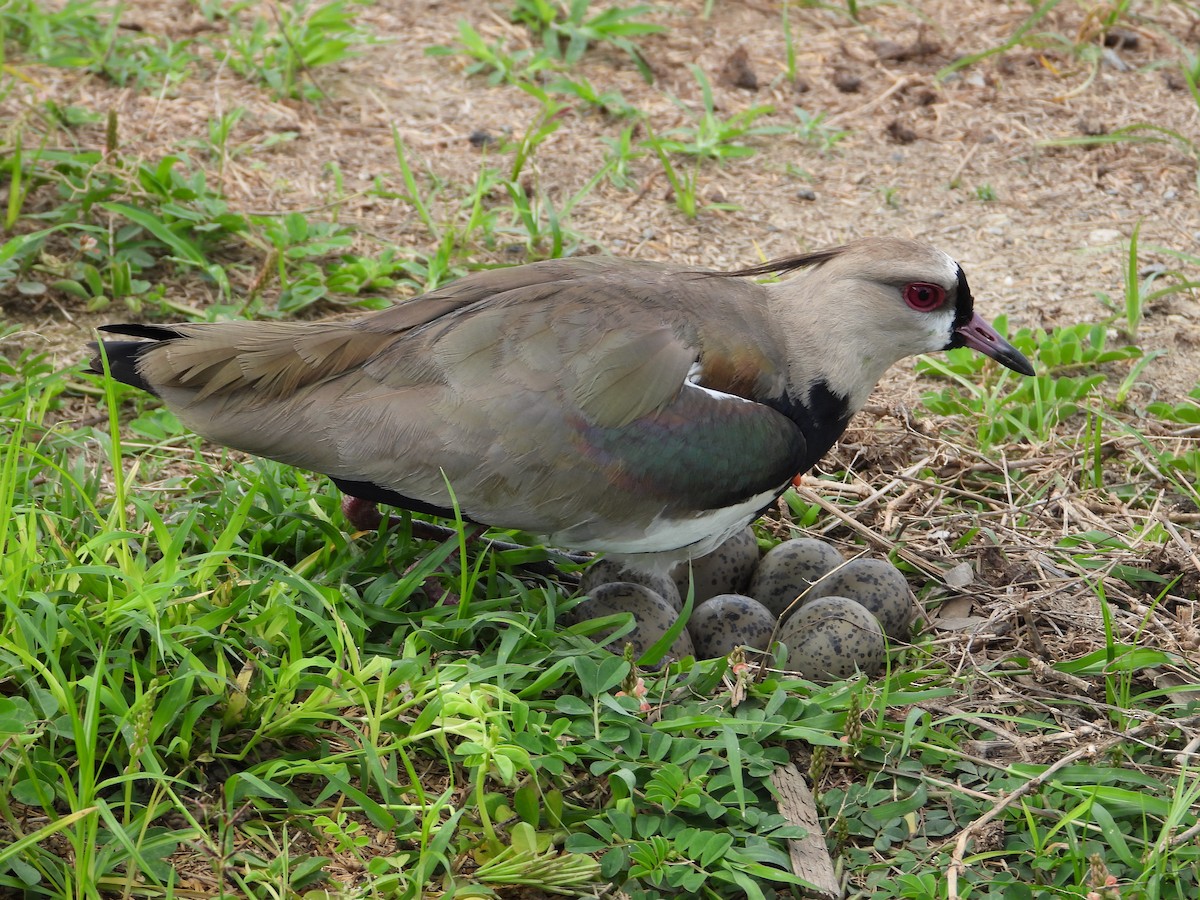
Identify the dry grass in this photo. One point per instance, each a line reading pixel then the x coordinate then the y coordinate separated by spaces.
pixel 982 532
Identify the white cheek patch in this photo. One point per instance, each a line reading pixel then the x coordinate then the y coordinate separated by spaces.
pixel 940 325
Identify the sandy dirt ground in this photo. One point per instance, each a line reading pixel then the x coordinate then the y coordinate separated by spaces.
pixel 917 154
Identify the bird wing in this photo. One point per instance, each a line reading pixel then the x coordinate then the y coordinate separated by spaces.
pixel 560 397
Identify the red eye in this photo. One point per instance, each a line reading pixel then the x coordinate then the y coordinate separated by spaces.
pixel 924 297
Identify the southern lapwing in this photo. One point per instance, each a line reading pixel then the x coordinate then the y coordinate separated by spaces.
pixel 646 410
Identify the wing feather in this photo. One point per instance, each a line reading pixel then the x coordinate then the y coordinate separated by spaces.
pixel 567 397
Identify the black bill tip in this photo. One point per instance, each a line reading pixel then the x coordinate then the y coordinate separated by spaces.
pixel 979 335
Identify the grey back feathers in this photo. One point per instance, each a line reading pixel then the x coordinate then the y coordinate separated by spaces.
pixel 606 404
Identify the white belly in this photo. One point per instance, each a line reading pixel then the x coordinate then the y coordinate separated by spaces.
pixel 683 538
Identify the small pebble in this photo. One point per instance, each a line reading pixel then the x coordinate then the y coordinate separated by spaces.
pixel 901 132
pixel 846 81
pixel 724 622
pixel 738 72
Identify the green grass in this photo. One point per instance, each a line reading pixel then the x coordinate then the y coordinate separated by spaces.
pixel 86 35
pixel 569 28
pixel 283 49
pixel 107 229
pixel 709 136
pixel 208 660
pixel 200 656
pixel 226 619
pixel 565 31
pixel 207 679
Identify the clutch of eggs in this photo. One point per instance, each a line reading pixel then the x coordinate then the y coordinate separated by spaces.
pixel 833 615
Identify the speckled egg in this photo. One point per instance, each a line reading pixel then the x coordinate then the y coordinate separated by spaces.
pixel 788 569
pixel 607 571
pixel 651 613
pixel 877 585
pixel 726 621
pixel 832 638
pixel 726 570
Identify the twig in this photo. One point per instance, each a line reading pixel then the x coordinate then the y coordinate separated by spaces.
pixel 963 165
pixel 964 837
pixel 983 724
pixel 871 536
pixel 1189 552
pixel 1033 784
pixel 898 85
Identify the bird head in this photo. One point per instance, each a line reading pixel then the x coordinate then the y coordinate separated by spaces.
pixel 853 311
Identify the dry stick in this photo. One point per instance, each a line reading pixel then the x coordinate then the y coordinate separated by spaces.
pixel 950 786
pixel 942 783
pixel 892 507
pixel 1185 836
pixel 1090 750
pixel 966 160
pixel 984 724
pixel 960 845
pixel 877 540
pixel 898 85
pixel 1190 552
pixel 951 489
pixel 1189 749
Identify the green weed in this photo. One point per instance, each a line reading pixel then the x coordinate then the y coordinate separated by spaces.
pixel 567 31
pixel 156 615
pixel 473 219
pixel 312 264
pixel 1040 11
pixel 621 153
pixel 1186 412
pixel 890 196
pixel 609 102
pixel 1140 291
pixel 123 219
pixel 1137 133
pixel 283 51
pixel 118 226
pixel 494 60
pixel 710 137
pixel 683 183
pixel 1004 407
pixel 813 129
pixel 87 34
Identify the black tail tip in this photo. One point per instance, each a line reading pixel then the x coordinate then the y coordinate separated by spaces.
pixel 123 356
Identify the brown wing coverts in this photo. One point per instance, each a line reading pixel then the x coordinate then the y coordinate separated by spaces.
pixel 547 394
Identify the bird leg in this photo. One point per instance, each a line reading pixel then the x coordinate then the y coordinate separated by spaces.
pixel 364 515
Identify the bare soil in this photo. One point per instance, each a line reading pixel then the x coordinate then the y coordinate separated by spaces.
pixel 918 154
pixel 1040 252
